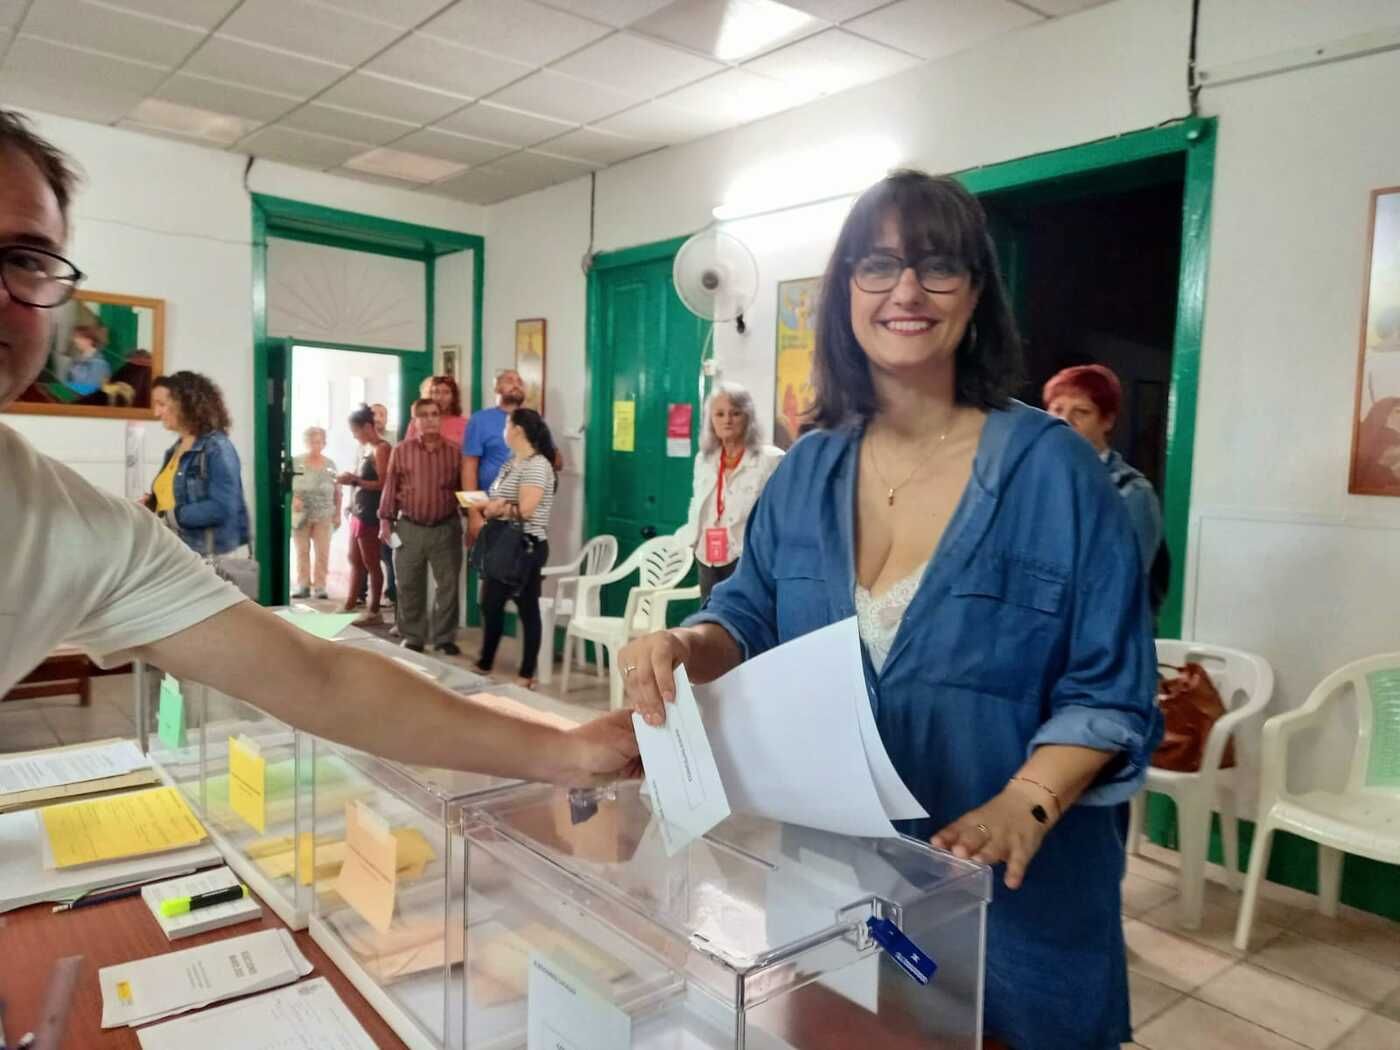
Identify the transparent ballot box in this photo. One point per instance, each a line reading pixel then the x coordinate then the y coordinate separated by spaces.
pixel 755 936
pixel 448 675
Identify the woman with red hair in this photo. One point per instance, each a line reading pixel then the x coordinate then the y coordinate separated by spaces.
pixel 444 391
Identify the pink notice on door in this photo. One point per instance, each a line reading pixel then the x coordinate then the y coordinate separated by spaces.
pixel 678 423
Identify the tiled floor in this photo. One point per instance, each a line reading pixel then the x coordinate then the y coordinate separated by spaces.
pixel 1306 982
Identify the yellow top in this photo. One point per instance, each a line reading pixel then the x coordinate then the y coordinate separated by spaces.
pixel 163 488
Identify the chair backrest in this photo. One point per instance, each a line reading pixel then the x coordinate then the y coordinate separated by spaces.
pixel 1375 683
pixel 1238 676
pixel 660 562
pixel 599 556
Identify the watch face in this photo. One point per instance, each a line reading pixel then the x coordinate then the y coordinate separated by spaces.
pixel 1039 813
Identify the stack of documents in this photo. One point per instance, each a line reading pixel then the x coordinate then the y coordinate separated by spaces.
pixel 35 778
pixel 117 827
pixel 134 993
pixel 199 920
pixel 306 1016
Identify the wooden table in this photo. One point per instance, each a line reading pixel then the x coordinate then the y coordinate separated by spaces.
pixel 65 672
pixel 32 939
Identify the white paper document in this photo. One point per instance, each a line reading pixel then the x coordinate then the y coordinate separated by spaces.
pixel 144 990
pixel 687 793
pixel 70 766
pixel 200 919
pixel 306 1016
pixel 566 1014
pixel 795 739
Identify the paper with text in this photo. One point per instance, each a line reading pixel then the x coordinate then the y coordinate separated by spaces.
pixel 306 1016
pixel 247 782
pixel 170 715
pixel 566 1014
pixel 70 766
pixel 128 825
pixel 368 880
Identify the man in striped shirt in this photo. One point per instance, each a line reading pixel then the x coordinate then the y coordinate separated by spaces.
pixel 420 504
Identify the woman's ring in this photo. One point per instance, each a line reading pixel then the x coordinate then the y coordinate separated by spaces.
pixel 984 829
pixel 628 670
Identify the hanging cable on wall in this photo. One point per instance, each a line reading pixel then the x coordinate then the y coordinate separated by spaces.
pixel 1193 85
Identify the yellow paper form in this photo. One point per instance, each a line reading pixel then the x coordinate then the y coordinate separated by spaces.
pixel 120 826
pixel 247 783
pixel 624 426
pixel 368 880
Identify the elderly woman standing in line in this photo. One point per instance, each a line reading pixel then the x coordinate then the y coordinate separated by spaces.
pixel 730 472
pixel 315 512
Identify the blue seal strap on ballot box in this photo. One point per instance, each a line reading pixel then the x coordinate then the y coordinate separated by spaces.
pixel 911 958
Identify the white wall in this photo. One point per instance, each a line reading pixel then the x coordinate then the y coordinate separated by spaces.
pixel 173 221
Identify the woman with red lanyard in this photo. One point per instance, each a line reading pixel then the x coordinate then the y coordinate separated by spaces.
pixel 730 472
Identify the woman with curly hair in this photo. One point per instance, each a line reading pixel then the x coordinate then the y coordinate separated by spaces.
pixel 199 490
pixel 444 392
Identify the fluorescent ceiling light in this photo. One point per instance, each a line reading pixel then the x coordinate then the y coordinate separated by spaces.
pixel 797 177
pixel 751 26
pixel 412 167
pixel 205 125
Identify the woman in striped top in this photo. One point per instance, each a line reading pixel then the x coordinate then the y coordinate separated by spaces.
pixel 523 491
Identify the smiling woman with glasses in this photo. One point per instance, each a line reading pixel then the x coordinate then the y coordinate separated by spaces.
pixel 997 592
pixel 37 276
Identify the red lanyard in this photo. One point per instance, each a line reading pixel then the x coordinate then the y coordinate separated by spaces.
pixel 719 491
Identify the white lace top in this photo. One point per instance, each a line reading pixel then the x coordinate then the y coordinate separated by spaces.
pixel 879 618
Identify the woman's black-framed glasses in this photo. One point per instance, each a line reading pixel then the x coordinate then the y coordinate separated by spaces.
pixel 37 277
pixel 880 271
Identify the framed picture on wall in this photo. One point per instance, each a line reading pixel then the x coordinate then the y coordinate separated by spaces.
pixel 449 355
pixel 797 342
pixel 1375 429
pixel 103 354
pixel 530 350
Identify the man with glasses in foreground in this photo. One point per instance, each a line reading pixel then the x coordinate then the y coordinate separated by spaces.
pixel 82 567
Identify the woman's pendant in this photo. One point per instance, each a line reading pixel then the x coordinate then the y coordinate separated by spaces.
pixel 891 497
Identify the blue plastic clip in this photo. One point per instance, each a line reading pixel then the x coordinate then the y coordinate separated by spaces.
pixel 911 958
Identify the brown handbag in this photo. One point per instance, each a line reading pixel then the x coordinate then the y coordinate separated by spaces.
pixel 1190 705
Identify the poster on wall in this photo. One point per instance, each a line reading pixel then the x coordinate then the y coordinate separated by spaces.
pixel 797 341
pixel 451 354
pixel 1375 447
pixel 103 353
pixel 529 360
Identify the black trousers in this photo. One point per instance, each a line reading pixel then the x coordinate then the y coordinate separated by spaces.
pixel 494 596
pixel 713 574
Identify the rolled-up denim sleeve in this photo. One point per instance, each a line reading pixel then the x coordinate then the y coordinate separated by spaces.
pixel 1106 697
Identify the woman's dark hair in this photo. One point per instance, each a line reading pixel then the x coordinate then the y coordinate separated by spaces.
pixel 934 214
pixel 198 401
pixel 537 433
pixel 455 409
pixel 362 417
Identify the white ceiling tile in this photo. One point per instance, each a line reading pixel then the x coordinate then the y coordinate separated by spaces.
pixel 300 147
pixel 499 124
pixel 72 82
pixel 1057 8
pixel 461 148
pixel 835 10
pixel 387 97
pixel 934 28
pixel 413 167
pixel 832 61
pixel 346 124
pixel 10 11
pixel 406 14
pixel 531 164
pixel 612 12
pixel 597 147
pixel 262 67
pixel 566 98
pixel 517 29
pixel 234 99
pixel 377 180
pixel 448 67
pixel 202 14
pixel 730 30
pixel 308 29
pixel 477 186
pixel 642 68
pixel 664 123
pixel 78 24
pixel 739 96
pixel 188 122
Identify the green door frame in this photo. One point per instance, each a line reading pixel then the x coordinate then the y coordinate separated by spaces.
pixel 333 227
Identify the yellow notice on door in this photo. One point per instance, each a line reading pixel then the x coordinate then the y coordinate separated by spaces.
pixel 624 426
pixel 368 879
pixel 247 782
pixel 127 825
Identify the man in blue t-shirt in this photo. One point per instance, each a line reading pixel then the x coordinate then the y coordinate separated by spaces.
pixel 484 445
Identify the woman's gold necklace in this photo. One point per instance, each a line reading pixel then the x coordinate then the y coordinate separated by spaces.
pixel 918 466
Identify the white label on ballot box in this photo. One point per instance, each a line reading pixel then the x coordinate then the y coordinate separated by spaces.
pixel 566 1014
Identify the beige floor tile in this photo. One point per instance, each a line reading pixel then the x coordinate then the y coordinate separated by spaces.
pixel 1153 870
pixel 1296 1011
pixel 1373 1033
pixel 1376 938
pixel 1217 930
pixel 1142 895
pixel 25 731
pixel 1194 1025
pixel 1149 998
pixel 1335 971
pixel 1169 959
pixel 81 724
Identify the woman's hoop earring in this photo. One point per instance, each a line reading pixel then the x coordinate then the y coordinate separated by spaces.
pixel 972 336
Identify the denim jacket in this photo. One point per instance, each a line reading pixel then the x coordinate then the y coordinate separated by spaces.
pixel 1140 499
pixel 209 495
pixel 1030 627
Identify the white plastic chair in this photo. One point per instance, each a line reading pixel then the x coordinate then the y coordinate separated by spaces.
pixel 1246 684
pixel 660 563
pixel 1364 817
pixel 597 557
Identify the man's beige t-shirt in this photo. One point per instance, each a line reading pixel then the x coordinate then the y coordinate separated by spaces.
pixel 80 567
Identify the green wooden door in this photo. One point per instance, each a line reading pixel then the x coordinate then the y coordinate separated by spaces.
pixel 647 362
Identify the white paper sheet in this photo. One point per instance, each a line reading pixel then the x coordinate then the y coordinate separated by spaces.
pixel 687 793
pixel 565 1014
pixel 70 766
pixel 199 920
pixel 306 1016
pixel 795 740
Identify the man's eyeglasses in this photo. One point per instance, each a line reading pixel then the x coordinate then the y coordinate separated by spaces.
pixel 879 272
pixel 37 277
